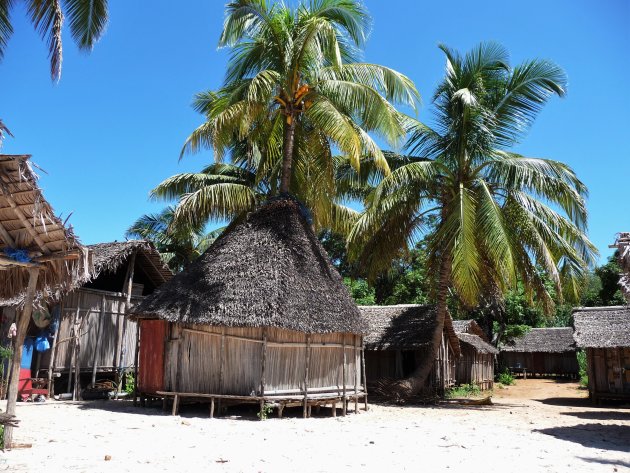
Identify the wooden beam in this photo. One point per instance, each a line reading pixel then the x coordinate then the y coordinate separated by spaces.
pixel 27 225
pixel 6 261
pixel 65 255
pixel 8 239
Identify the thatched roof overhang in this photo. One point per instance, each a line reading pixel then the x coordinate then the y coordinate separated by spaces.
pixel 32 236
pixel 602 327
pixel 405 327
pixel 469 326
pixel 109 257
pixel 269 270
pixel 542 340
pixel 477 343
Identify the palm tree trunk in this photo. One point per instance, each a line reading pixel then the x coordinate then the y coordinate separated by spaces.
pixel 287 154
pixel 417 381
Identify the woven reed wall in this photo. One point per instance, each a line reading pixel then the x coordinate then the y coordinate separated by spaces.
pixel 88 318
pixel 193 359
pixel 475 368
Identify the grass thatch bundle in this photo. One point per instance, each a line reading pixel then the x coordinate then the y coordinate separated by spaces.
pixel 542 340
pixel 602 327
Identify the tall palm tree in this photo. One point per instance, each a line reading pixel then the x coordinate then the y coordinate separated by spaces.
pixel 500 216
pixel 294 90
pixel 178 245
pixel 88 19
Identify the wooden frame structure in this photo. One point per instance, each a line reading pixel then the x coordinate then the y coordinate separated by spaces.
pixel 604 333
pixel 39 255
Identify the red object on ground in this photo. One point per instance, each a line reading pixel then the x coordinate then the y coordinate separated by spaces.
pixel 151 356
pixel 25 385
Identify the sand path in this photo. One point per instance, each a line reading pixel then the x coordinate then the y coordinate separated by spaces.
pixel 535 426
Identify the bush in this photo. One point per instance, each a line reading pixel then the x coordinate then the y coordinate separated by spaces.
pixel 581 358
pixel 130 383
pixel 505 378
pixel 465 390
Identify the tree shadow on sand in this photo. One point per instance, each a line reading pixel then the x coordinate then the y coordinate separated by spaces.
pixel 599 436
pixel 600 415
pixel 604 461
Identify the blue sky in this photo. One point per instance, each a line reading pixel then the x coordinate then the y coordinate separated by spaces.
pixel 113 127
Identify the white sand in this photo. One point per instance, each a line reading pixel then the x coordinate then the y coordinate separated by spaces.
pixel 517 434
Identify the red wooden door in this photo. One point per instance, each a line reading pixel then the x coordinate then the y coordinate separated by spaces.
pixel 151 358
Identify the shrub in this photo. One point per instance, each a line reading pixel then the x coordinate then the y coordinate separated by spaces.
pixel 581 358
pixel 465 390
pixel 506 378
pixel 130 383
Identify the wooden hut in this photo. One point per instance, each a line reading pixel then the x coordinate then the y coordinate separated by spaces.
pixel 38 254
pixel 542 351
pixel 476 365
pixel 604 332
pixel 261 317
pixel 104 342
pixel 400 338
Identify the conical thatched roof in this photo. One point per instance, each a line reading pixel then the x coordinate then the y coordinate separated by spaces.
pixel 267 271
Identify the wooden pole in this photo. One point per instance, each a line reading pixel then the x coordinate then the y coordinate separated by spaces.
pixel 136 359
pixel 365 399
pixel 53 351
pixel 22 327
pixel 99 333
pixel 356 377
pixel 74 345
pixel 263 361
pixel 121 342
pixel 307 363
pixel 76 392
pixel 221 365
pixel 344 399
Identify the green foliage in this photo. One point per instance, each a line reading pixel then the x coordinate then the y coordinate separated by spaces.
pixel 5 354
pixel 603 285
pixel 505 378
pixel 582 363
pixel 267 409
pixel 465 390
pixel 360 291
pixel 1 437
pixel 130 383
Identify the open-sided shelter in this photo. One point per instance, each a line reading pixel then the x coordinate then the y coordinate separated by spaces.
pixel 262 316
pixel 476 365
pixel 542 351
pixel 38 254
pixel 400 339
pixel 604 333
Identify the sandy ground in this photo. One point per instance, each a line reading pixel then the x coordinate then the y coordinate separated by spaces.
pixel 535 426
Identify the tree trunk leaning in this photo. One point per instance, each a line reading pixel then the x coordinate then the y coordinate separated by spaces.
pixel 22 327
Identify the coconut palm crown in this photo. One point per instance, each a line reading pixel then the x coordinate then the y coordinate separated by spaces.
pixel 293 91
pixel 501 216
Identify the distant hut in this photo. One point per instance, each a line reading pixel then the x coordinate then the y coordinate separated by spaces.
pixel 604 332
pixel 542 351
pixel 476 365
pixel 261 317
pixel 400 338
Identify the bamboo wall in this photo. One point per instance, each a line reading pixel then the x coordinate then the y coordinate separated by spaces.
pixel 608 373
pixel 475 368
pixel 398 364
pixel 560 364
pixel 229 360
pixel 99 317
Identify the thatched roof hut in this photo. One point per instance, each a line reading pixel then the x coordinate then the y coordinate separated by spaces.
pixel 265 280
pixel 399 339
pixel 604 332
pixel 542 340
pixel 543 351
pixel 476 365
pixel 33 236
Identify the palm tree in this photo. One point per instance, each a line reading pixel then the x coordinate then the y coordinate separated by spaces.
pixel 294 90
pixel 500 216
pixel 88 19
pixel 178 245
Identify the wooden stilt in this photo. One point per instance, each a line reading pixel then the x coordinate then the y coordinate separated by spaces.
pixel 212 408
pixel 356 376
pixel 334 409
pixel 53 353
pixel 365 394
pixel 99 331
pixel 175 404
pixel 344 399
pixel 74 328
pixel 307 363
